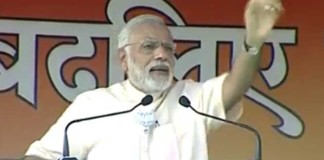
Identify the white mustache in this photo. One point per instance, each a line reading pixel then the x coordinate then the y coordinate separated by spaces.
pixel 158 64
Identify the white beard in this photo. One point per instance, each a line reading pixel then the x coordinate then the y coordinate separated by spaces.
pixel 141 78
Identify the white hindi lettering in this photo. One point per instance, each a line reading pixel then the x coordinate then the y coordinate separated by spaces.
pixel 23 71
pixel 22 74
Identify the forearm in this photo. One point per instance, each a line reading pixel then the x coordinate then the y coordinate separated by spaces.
pixel 240 77
pixel 260 16
pixel 244 70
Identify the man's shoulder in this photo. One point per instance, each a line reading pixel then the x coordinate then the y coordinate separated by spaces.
pixel 193 83
pixel 102 92
pixel 187 83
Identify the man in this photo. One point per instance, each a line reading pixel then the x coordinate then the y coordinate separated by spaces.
pixel 146 50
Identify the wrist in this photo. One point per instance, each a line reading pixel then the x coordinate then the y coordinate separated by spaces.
pixel 250 49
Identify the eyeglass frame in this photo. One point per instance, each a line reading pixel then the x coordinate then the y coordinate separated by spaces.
pixel 162 44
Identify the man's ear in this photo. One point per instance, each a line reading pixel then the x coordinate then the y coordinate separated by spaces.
pixel 123 59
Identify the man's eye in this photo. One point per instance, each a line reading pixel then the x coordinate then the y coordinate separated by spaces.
pixel 149 46
pixel 168 48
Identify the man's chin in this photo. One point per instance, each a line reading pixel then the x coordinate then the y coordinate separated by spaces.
pixel 158 86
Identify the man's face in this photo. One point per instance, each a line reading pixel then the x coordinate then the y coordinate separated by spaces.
pixel 150 60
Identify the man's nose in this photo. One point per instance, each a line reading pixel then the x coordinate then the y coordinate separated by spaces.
pixel 161 53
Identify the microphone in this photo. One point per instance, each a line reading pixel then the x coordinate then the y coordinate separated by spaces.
pixel 184 101
pixel 66 155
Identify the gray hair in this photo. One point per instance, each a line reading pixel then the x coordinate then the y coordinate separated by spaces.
pixel 123 35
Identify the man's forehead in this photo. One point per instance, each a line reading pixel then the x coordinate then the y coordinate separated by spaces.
pixel 151 32
pixel 154 39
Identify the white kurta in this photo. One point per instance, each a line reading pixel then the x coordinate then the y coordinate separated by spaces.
pixel 181 134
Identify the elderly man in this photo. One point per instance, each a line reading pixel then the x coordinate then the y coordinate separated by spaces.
pixel 146 51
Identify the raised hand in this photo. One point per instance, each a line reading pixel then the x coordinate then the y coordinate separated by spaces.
pixel 260 16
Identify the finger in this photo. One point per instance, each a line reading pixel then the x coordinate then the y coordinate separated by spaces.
pixel 272 5
pixel 263 6
pixel 272 9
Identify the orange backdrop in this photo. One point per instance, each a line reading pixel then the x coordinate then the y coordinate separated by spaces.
pixel 285 103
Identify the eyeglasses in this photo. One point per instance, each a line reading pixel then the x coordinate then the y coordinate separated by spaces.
pixel 148 46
